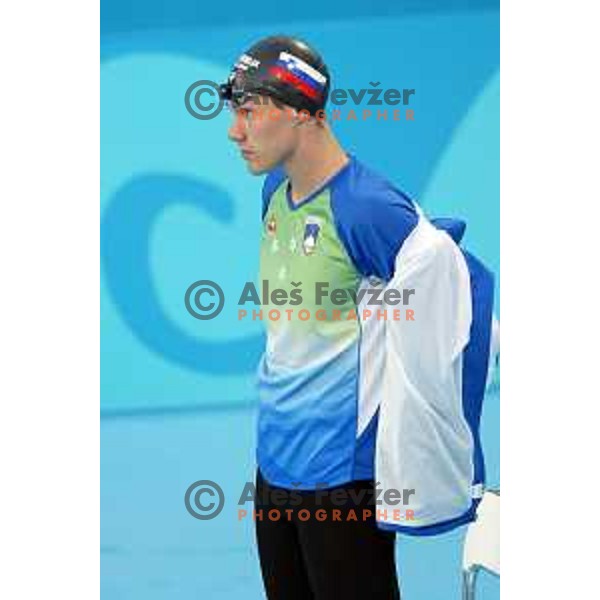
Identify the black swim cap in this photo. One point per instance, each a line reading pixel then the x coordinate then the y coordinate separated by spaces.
pixel 285 68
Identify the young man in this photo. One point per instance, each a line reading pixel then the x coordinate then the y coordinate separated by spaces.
pixel 326 425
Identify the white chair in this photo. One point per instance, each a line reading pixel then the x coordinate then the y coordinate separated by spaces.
pixel 482 543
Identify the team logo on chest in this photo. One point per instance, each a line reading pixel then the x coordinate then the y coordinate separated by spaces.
pixel 271 226
pixel 312 227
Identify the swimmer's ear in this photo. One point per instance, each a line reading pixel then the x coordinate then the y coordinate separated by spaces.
pixel 300 116
pixel 295 118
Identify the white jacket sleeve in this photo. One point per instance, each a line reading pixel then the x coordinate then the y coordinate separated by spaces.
pixel 423 441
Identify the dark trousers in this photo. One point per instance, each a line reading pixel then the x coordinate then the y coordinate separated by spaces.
pixel 311 548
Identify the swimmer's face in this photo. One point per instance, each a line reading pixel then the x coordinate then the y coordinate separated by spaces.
pixel 264 133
